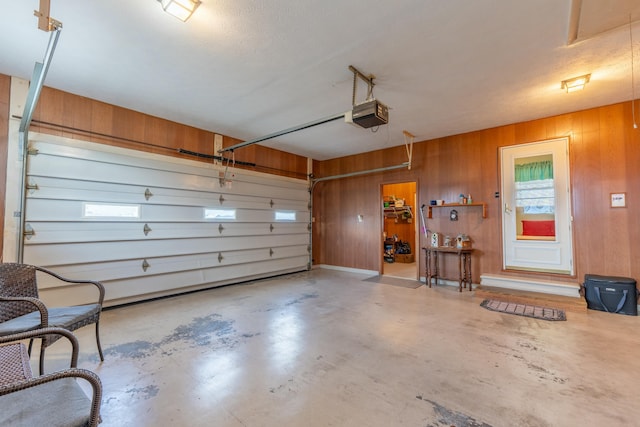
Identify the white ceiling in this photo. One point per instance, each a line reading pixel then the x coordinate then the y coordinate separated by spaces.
pixel 248 68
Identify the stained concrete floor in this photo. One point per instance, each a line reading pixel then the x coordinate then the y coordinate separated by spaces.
pixel 325 348
pixel 400 269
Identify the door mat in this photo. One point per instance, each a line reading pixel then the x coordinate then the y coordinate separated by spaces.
pixel 395 281
pixel 534 311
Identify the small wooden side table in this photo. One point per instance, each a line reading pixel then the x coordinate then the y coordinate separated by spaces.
pixel 464 265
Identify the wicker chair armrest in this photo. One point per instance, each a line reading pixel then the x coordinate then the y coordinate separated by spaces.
pixel 90 377
pixel 38 333
pixel 97 284
pixel 39 305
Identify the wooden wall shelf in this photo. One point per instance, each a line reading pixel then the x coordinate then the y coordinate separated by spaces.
pixel 458 205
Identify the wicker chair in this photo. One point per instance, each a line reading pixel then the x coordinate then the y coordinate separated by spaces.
pixel 21 310
pixel 54 399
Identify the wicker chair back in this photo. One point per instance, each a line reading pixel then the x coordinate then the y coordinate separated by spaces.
pixel 17 280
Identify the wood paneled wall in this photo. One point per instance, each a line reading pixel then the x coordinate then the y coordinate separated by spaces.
pixel 604 156
pixel 73 116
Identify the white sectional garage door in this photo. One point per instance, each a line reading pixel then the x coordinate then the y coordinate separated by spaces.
pixel 149 225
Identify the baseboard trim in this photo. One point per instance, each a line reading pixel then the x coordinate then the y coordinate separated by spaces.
pixel 447 282
pixel 531 285
pixel 347 269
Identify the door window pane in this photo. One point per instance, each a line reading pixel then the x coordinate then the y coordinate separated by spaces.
pixel 108 210
pixel 217 213
pixel 535 198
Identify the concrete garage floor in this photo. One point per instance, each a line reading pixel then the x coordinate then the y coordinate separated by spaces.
pixel 325 348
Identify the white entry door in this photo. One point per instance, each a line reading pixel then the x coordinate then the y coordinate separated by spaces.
pixel 536 207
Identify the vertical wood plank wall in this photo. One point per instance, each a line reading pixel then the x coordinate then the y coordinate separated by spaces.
pixel 72 116
pixel 604 156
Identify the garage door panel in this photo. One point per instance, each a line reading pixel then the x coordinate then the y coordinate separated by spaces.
pixel 52 147
pixel 85 190
pixel 169 246
pixel 61 253
pixel 74 210
pixel 145 287
pixel 132 268
pixel 79 169
pixel 77 232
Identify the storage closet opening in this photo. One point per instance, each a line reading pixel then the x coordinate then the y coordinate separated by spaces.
pixel 400 252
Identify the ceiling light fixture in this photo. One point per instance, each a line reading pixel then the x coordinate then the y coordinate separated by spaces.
pixel 181 9
pixel 576 83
